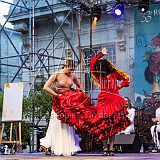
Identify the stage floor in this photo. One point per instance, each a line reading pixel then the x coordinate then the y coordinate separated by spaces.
pixel 40 156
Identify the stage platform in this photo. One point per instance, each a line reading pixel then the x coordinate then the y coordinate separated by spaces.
pixel 41 156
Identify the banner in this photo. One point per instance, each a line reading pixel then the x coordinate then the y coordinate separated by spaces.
pixel 147 54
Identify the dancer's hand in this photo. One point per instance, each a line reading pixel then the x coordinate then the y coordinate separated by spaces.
pixel 59 95
pixel 75 127
pixel 80 89
pixel 104 50
pixel 119 86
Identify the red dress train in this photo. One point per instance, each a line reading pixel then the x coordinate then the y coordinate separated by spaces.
pixel 74 108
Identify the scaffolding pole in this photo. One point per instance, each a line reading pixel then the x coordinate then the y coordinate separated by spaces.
pixel 78 14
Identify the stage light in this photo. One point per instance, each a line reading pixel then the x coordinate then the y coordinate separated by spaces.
pixel 118 10
pixel 143 6
pixel 96 16
pixel 95 19
pixel 96 13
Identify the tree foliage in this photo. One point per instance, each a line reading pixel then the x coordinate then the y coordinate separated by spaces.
pixel 1 101
pixel 40 102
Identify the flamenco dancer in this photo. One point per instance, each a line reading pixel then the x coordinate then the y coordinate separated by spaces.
pixel 111 116
pixel 69 107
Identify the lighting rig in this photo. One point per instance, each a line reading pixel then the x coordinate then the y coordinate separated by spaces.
pixel 116 7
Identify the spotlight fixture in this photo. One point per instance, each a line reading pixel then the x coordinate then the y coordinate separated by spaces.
pixel 143 6
pixel 118 10
pixel 96 13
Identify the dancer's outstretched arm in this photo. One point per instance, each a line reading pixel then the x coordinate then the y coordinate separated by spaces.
pixel 92 63
pixel 94 60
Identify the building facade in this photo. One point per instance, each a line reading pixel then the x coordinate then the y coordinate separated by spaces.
pixel 10 47
pixel 115 34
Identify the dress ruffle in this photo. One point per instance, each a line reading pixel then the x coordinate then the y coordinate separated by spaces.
pixel 111 116
pixel 108 118
pixel 110 125
pixel 74 108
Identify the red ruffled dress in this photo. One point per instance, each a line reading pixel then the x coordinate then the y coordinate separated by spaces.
pixel 74 108
pixel 111 113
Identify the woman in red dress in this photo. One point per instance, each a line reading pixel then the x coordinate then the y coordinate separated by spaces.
pixel 71 105
pixel 111 111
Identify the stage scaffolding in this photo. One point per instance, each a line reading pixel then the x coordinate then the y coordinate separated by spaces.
pixel 72 6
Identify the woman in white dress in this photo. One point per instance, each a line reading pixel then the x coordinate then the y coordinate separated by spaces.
pixel 60 137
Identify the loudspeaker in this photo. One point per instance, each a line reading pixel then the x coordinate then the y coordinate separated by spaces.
pixel 124 139
pixel 133 147
pixel 129 143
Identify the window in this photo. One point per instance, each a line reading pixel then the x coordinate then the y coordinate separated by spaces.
pixel 87 56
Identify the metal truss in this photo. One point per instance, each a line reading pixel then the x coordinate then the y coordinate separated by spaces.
pixel 32 52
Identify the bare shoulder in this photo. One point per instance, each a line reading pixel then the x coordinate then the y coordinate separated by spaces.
pixel 54 76
pixel 73 75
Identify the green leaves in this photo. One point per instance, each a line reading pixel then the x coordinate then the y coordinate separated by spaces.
pixel 40 102
pixel 1 101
